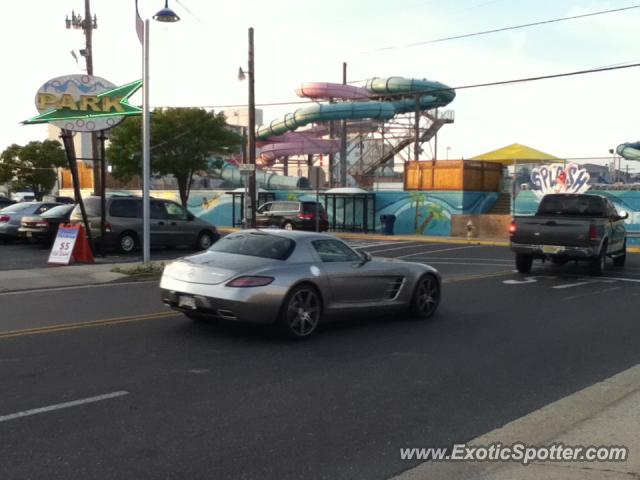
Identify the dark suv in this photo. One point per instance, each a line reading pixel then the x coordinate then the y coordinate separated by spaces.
pixel 292 215
pixel 171 224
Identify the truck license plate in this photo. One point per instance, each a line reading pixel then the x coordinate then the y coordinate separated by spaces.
pixel 187 302
pixel 552 249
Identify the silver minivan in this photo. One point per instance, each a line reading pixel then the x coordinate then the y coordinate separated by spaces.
pixel 171 224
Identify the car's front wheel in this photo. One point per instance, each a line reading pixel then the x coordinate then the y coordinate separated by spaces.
pixel 288 226
pixel 301 312
pixel 426 298
pixel 205 240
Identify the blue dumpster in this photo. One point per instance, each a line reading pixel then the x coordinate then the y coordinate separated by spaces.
pixel 387 222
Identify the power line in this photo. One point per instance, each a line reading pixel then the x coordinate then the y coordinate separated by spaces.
pixel 503 29
pixel 462 87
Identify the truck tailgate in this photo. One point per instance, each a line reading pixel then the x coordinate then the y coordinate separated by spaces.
pixel 549 230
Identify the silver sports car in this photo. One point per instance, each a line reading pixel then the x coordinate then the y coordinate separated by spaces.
pixel 294 279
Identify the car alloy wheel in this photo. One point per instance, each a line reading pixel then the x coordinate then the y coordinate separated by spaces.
pixel 288 226
pixel 127 243
pixel 205 240
pixel 427 296
pixel 301 313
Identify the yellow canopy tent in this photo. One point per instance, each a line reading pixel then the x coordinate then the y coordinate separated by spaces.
pixel 515 154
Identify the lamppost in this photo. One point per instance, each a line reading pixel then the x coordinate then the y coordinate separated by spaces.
pixel 168 16
pixel 448 150
pixel 251 201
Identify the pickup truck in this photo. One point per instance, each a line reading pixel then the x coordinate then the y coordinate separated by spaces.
pixel 570 227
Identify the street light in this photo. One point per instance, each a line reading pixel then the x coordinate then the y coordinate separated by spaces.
pixel 168 16
pixel 251 201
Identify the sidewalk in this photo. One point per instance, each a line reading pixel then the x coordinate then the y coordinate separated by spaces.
pixel 605 414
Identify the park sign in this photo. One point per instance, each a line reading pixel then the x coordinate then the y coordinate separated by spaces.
pixel 84 103
pixel 559 178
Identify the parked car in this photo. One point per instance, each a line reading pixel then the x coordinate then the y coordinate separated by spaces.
pixel 11 216
pixel 294 280
pixel 45 227
pixel 171 224
pixel 5 202
pixel 292 215
pixel 570 227
pixel 59 199
pixel 23 196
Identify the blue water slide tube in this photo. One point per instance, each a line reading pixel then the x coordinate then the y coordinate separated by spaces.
pixel 629 151
pixel 430 94
pixel 326 112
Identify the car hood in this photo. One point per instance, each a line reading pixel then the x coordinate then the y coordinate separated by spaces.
pixel 212 268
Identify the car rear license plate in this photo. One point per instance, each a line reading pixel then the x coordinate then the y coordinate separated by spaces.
pixel 552 249
pixel 187 302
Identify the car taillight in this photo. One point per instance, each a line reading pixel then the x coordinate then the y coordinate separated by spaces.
pixel 42 223
pixel 512 229
pixel 593 232
pixel 255 281
pixel 324 216
pixel 306 216
pixel 107 227
pixel 4 218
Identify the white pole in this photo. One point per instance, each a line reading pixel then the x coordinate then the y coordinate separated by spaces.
pixel 146 146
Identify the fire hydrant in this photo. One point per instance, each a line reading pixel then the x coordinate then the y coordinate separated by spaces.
pixel 469 230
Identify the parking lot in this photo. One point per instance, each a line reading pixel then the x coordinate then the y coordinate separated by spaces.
pixel 236 401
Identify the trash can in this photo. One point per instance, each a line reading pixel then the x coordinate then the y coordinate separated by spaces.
pixel 387 222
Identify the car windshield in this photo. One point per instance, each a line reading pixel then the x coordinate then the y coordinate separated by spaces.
pixel 581 205
pixel 20 208
pixel 255 245
pixel 59 211
pixel 91 206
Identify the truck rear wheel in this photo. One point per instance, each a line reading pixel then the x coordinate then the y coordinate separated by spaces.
pixel 619 260
pixel 523 262
pixel 598 263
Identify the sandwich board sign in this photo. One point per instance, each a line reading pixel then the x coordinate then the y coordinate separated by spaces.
pixel 63 245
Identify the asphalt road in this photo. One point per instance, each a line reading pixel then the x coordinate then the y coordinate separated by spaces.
pixel 165 397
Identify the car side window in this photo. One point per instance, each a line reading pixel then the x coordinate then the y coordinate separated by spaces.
pixel 264 208
pixel 124 209
pixel 158 212
pixel 334 251
pixel 175 211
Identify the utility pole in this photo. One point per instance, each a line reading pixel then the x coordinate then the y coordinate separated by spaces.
pixel 252 133
pixel 343 143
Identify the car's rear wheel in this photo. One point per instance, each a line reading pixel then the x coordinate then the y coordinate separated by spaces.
pixel 523 262
pixel 205 240
pixel 599 262
pixel 288 226
pixel 620 260
pixel 301 312
pixel 426 297
pixel 127 242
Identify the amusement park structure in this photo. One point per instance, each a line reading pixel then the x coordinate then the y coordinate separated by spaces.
pixel 361 129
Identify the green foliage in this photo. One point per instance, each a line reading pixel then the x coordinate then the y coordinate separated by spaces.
pixel 32 166
pixel 182 140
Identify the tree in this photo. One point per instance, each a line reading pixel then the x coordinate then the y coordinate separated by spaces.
pixel 32 166
pixel 183 139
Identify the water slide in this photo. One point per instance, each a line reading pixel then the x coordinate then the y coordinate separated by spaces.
pixel 629 151
pixel 380 100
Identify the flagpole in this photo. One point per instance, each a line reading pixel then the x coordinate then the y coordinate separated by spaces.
pixel 146 145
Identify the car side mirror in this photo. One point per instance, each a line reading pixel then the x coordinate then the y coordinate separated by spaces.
pixel 623 214
pixel 366 257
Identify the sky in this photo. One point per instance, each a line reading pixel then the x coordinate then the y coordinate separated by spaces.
pixel 195 62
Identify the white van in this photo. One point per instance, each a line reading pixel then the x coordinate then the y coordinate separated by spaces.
pixel 23 196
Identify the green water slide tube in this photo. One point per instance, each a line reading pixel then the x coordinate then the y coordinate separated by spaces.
pixel 324 113
pixel 629 151
pixel 427 93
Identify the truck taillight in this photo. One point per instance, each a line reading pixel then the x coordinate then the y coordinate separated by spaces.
pixel 593 232
pixel 512 229
pixel 4 218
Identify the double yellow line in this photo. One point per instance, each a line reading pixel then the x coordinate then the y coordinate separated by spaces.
pixel 94 323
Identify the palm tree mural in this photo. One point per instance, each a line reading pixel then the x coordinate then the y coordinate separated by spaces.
pixel 432 212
